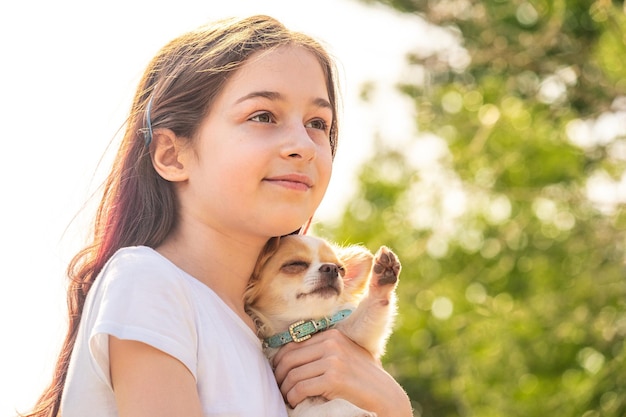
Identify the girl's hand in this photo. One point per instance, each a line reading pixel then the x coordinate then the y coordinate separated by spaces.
pixel 332 366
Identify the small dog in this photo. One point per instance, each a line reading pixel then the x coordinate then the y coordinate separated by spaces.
pixel 303 284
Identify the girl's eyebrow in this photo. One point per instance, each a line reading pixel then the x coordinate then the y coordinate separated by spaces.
pixel 275 96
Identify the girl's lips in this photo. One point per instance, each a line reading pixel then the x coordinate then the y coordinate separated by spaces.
pixel 292 181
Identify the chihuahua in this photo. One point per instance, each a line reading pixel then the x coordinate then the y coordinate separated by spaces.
pixel 302 285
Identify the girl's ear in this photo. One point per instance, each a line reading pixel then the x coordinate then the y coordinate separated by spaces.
pixel 168 153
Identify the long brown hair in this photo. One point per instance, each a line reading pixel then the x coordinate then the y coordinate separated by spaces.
pixel 138 207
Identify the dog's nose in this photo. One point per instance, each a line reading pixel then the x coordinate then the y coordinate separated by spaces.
pixel 329 271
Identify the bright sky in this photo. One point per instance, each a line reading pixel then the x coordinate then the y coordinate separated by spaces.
pixel 69 70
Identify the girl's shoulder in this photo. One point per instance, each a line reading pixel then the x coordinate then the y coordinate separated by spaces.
pixel 140 256
pixel 140 260
pixel 143 268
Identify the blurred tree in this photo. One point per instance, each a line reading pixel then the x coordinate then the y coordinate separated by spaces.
pixel 506 212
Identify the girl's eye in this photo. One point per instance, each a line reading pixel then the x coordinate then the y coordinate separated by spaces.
pixel 317 124
pixel 264 117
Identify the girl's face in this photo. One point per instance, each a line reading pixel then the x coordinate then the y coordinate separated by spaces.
pixel 262 159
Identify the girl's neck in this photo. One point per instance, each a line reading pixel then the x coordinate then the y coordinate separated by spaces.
pixel 223 263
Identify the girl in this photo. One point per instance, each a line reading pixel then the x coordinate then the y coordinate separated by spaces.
pixel 229 142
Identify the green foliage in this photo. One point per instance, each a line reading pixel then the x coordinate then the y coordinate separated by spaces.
pixel 513 290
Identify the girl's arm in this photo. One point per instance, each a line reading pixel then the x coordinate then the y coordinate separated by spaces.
pixel 331 365
pixel 150 383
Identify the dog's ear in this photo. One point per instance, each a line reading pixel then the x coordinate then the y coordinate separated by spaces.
pixel 268 250
pixel 357 262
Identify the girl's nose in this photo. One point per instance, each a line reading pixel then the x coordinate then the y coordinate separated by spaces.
pixel 298 144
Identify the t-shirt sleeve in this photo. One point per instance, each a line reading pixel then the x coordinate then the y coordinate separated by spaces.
pixel 146 300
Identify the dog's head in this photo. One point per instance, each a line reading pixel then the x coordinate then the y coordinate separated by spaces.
pixel 303 277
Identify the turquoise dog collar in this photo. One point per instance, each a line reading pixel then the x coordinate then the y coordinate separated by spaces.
pixel 304 329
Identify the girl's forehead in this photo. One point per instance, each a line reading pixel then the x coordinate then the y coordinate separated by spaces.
pixel 276 54
pixel 278 67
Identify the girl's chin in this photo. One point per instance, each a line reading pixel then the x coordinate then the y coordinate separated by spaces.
pixel 288 222
pixel 287 228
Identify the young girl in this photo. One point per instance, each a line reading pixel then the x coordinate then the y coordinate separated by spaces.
pixel 229 142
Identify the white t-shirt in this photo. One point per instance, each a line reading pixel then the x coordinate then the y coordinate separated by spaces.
pixel 140 295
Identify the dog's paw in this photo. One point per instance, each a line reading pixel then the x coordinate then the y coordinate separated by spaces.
pixel 318 407
pixel 366 414
pixel 360 413
pixel 386 269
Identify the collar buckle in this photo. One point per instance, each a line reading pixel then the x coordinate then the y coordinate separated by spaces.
pixel 302 330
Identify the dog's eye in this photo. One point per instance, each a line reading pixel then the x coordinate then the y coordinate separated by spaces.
pixel 294 267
